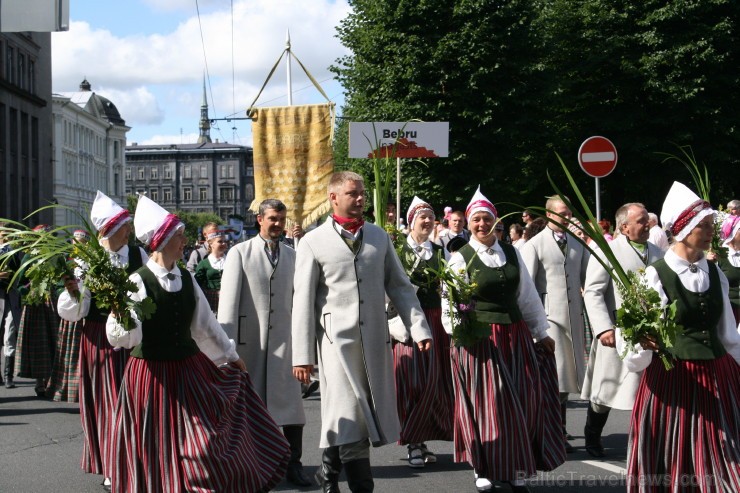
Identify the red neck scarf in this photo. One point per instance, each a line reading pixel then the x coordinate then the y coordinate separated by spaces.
pixel 350 224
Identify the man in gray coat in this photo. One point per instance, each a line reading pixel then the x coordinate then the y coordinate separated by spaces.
pixel 557 264
pixel 344 268
pixel 254 309
pixel 608 383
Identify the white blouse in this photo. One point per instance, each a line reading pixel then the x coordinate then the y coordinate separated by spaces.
pixel 423 251
pixel 204 328
pixel 528 301
pixel 696 282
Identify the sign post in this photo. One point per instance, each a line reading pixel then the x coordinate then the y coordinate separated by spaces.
pixel 598 158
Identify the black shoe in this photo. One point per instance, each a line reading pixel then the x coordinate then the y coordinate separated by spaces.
pixel 568 447
pixel 295 475
pixel 308 389
pixel 9 384
pixel 327 475
pixel 359 476
pixel 592 433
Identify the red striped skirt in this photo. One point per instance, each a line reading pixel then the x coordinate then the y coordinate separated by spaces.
pixel 101 373
pixel 424 393
pixel 685 430
pixel 504 410
pixel 65 375
pixel 190 426
pixel 37 339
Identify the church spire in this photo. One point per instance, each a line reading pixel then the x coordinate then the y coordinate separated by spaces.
pixel 205 122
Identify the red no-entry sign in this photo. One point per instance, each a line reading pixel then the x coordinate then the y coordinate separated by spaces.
pixel 597 156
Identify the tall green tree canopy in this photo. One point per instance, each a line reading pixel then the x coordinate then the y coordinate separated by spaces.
pixel 520 80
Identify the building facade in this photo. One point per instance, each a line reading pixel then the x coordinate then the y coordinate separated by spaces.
pixel 26 172
pixel 205 177
pixel 89 141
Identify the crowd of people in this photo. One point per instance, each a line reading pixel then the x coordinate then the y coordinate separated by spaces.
pixel 206 393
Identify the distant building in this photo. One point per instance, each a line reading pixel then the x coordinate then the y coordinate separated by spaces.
pixel 25 126
pixel 89 139
pixel 204 177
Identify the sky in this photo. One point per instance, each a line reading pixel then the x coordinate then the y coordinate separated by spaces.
pixel 149 58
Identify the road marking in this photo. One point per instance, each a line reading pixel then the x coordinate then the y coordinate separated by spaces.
pixel 595 157
pixel 607 466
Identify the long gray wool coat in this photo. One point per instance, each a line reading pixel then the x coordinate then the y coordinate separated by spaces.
pixel 608 382
pixel 559 279
pixel 255 310
pixel 339 309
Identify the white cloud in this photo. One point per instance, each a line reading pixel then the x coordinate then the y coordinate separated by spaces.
pixel 136 106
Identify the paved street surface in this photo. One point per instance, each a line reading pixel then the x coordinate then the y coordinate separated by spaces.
pixel 41 443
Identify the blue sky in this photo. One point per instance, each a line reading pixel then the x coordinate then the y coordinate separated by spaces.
pixel 147 57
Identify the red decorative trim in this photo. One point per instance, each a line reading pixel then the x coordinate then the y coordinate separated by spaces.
pixel 481 203
pixel 417 208
pixel 170 223
pixel 116 220
pixel 688 214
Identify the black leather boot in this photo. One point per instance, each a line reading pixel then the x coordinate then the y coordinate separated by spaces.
pixel 592 431
pixel 294 474
pixel 328 474
pixel 359 476
pixel 8 372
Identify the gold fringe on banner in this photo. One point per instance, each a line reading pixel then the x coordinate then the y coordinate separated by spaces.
pixel 293 158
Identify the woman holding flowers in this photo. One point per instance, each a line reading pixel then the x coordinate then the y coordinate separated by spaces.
pixel 424 392
pixel 182 422
pixel 507 416
pixel 685 432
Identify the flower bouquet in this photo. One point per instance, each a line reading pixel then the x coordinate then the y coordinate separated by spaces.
pixel 45 263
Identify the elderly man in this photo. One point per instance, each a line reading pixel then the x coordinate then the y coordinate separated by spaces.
pixel 608 383
pixel 344 268
pixel 657 235
pixel 557 265
pixel 255 310
pixel 456 229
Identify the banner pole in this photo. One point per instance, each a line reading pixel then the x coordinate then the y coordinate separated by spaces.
pixel 287 61
pixel 398 193
pixel 598 201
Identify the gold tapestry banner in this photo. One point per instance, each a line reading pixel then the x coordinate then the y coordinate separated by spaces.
pixel 293 158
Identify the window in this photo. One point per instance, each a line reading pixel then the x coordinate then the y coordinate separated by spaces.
pixel 115 149
pixel 167 195
pixel 32 76
pixel 203 193
pixel 154 194
pixel 167 172
pixel 226 194
pixel 187 194
pixel 203 171
pixel 186 172
pixel 231 171
pixel 141 173
pixel 250 171
pixel 10 64
pixel 249 192
pixel 128 173
pixel 222 171
pixel 22 70
pixel 154 173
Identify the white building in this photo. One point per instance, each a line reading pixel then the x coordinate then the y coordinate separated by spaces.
pixel 88 144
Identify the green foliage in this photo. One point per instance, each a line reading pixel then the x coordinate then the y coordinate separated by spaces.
pixel 194 221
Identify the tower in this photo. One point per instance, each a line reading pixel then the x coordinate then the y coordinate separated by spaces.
pixel 205 122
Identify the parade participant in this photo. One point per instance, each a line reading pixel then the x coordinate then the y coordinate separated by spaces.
pixel 65 373
pixel 100 366
pixel 201 251
pixel 506 414
pixel 209 271
pixel 456 227
pixel 731 267
pixel 557 265
pixel 424 392
pixel 37 332
pixel 685 425
pixel 344 268
pixel 10 308
pixel 182 423
pixel 255 311
pixel 608 383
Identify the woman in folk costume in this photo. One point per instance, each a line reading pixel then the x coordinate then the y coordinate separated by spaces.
pixel 685 431
pixel 65 374
pixel 182 422
pixel 37 333
pixel 424 392
pixel 100 365
pixel 208 272
pixel 731 267
pixel 507 411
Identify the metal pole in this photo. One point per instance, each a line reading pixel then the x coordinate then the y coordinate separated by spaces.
pixel 287 61
pixel 598 202
pixel 398 193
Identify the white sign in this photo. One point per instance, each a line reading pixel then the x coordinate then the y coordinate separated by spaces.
pixel 399 139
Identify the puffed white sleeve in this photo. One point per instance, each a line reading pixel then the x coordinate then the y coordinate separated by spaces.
pixel 208 333
pixel 638 359
pixel 529 303
pixel 117 335
pixel 728 332
pixel 72 309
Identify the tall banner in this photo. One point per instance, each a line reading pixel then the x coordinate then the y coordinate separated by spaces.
pixel 293 158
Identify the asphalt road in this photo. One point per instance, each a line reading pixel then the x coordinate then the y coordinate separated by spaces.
pixel 41 443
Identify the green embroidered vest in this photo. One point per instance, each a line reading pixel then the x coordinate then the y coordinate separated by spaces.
pixel 96 314
pixel 495 296
pixel 733 276
pixel 428 292
pixel 698 313
pixel 166 335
